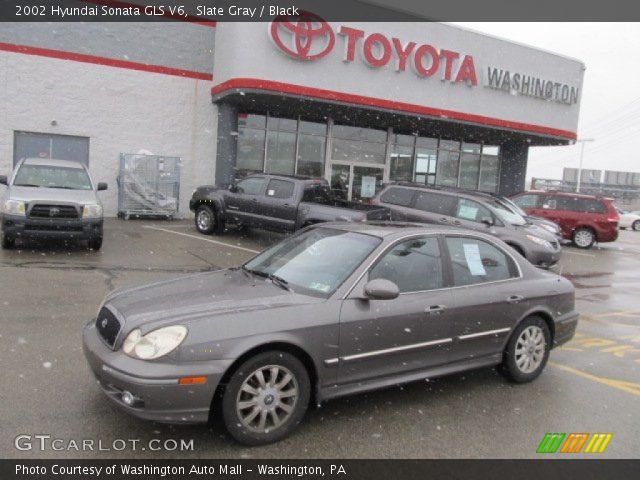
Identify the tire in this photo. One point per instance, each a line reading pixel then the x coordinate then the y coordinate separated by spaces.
pixel 7 242
pixel 244 387
pixel 95 243
pixel 583 237
pixel 207 221
pixel 527 351
pixel 636 226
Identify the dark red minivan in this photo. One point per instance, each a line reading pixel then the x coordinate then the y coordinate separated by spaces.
pixel 584 219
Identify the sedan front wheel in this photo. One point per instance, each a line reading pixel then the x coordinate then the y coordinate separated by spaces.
pixel 266 398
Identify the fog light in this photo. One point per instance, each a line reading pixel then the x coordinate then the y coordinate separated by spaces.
pixel 128 398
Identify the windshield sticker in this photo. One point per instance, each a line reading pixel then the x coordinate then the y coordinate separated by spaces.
pixel 322 287
pixel 467 212
pixel 474 261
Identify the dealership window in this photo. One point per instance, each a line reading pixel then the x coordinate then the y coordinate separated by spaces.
pixel 448 163
pixel 489 168
pixel 251 144
pixel 280 145
pixel 360 145
pixel 426 160
pixel 46 145
pixel 401 161
pixel 469 166
pixel 312 144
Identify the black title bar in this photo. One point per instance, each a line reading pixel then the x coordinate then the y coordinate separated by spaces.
pixel 329 10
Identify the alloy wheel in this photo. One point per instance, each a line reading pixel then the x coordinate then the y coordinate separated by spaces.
pixel 205 221
pixel 267 398
pixel 583 238
pixel 530 349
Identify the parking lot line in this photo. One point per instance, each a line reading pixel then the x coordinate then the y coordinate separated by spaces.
pixel 202 238
pixel 579 253
pixel 629 387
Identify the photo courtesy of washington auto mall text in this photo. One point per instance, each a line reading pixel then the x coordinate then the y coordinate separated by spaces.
pixel 339 239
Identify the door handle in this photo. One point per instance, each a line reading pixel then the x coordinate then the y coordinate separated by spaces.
pixel 435 309
pixel 443 220
pixel 457 223
pixel 255 200
pixel 515 298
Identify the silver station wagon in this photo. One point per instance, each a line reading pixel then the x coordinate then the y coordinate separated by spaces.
pixel 333 310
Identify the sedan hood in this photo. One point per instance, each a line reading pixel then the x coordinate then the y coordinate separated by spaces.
pixel 200 295
pixel 57 195
pixel 538 231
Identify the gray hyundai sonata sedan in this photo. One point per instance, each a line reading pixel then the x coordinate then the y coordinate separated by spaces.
pixel 332 310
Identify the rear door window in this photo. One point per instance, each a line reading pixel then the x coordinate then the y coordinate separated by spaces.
pixel 476 261
pixel 436 203
pixel 398 196
pixel 280 188
pixel 473 211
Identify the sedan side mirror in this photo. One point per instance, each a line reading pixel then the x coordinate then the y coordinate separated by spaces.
pixel 232 188
pixel 381 289
pixel 3 180
pixel 102 186
pixel 488 221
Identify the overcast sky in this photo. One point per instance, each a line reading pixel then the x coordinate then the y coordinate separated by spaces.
pixel 610 107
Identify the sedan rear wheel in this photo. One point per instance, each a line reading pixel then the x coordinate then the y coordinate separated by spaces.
pixel 636 225
pixel 266 398
pixel 584 238
pixel 528 350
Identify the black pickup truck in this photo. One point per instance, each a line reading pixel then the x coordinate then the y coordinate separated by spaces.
pixel 275 202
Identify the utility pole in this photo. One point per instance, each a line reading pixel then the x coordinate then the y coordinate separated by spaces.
pixel 582 141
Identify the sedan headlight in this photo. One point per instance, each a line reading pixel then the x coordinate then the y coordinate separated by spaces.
pixel 14 207
pixel 92 210
pixel 539 241
pixel 154 344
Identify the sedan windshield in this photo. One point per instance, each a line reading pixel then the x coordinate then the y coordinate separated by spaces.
pixel 50 176
pixel 314 262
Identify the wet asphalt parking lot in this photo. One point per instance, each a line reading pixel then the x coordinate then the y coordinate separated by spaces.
pixel 47 294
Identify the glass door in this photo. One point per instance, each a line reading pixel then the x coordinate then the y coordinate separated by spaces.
pixel 366 183
pixel 356 182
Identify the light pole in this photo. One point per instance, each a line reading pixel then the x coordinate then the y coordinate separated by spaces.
pixel 582 141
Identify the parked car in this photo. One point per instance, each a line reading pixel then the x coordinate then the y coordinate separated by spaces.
pixel 548 225
pixel 629 220
pixel 51 199
pixel 584 219
pixel 469 209
pixel 275 202
pixel 332 310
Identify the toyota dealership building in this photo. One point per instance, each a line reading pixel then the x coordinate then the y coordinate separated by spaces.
pixel 356 103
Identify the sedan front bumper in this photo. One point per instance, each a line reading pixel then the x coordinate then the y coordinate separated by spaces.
pixel 154 385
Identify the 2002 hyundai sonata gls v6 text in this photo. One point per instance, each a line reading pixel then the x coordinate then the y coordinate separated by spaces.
pixel 333 310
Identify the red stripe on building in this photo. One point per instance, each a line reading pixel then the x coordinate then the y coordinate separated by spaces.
pixel 109 62
pixel 190 19
pixel 280 87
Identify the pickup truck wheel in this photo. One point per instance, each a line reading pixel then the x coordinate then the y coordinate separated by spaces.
pixel 206 220
pixel 8 242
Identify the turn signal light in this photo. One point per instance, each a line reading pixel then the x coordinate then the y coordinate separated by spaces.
pixel 192 380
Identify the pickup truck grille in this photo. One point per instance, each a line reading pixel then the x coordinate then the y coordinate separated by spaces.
pixel 53 211
pixel 108 326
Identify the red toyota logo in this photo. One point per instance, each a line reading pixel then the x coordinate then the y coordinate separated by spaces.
pixel 296 38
